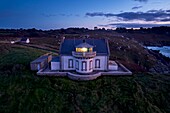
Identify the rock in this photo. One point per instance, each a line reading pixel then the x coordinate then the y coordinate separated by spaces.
pixel 159 67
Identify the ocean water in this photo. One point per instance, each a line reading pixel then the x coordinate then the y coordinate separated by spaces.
pixel 164 50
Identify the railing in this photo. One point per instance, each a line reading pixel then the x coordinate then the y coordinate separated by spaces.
pixel 84 54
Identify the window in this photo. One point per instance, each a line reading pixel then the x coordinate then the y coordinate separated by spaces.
pixel 84 66
pixel 97 63
pixel 81 49
pixel 90 65
pixel 77 64
pixel 90 49
pixel 70 63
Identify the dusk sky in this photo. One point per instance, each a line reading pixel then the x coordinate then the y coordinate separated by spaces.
pixel 56 14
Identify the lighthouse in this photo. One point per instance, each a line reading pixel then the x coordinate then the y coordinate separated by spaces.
pixel 83 55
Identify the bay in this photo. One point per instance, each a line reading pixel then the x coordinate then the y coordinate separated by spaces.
pixel 164 50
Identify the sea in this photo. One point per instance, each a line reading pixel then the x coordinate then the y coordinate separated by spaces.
pixel 164 50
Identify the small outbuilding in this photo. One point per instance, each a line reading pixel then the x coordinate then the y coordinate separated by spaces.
pixel 12 42
pixel 25 40
pixel 41 62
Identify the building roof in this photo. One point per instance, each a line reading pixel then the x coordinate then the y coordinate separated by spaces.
pixel 84 44
pixel 24 39
pixel 99 45
pixel 55 59
pixel 40 59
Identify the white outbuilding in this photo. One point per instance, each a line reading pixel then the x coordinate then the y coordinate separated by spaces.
pixel 25 40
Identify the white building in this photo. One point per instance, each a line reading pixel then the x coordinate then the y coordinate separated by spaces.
pixel 25 40
pixel 83 56
pixel 80 60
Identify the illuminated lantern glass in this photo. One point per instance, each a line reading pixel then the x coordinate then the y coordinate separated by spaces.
pixel 84 49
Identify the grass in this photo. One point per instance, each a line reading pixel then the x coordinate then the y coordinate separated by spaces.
pixel 17 54
pixel 130 52
pixel 24 92
pixel 21 91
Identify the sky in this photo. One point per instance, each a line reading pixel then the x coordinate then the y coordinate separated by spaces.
pixel 56 14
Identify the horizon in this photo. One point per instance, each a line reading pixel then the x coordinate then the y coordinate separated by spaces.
pixel 46 15
pixel 82 28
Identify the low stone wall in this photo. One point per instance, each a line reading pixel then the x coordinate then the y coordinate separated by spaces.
pixel 114 73
pixel 124 68
pixel 76 76
pixel 41 73
pixel 83 77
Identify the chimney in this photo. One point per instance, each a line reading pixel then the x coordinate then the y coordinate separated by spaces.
pixel 84 40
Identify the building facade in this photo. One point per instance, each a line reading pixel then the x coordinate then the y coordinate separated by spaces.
pixel 80 60
pixel 83 56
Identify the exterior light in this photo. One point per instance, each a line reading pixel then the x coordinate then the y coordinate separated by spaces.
pixel 84 49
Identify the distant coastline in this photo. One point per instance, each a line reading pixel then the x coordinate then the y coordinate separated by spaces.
pixel 164 50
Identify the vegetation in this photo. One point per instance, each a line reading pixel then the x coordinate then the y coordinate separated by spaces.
pixel 17 56
pixel 158 36
pixel 21 91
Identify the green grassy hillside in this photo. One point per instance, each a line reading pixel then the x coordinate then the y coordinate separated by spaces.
pixel 21 91
pixel 142 93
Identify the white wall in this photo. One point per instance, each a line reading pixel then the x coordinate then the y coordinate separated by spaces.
pixel 64 63
pixel 103 62
pixel 55 65
pixel 80 65
pixel 28 40
pixel 113 65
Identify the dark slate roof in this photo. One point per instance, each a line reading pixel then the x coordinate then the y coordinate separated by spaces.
pixel 24 38
pixel 99 45
pixel 55 59
pixel 40 59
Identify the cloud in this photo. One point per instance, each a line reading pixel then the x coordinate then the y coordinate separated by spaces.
pixel 141 0
pixel 151 15
pixel 166 20
pixel 150 18
pixel 95 14
pixel 133 25
pixel 64 15
pixel 49 15
pixel 158 11
pixel 168 11
pixel 136 7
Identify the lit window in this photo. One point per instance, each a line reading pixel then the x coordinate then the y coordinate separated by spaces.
pixel 90 49
pixel 81 49
pixel 84 49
